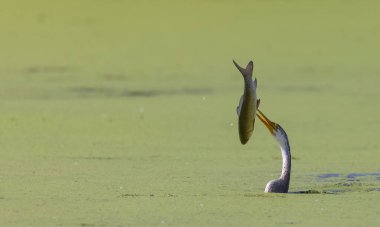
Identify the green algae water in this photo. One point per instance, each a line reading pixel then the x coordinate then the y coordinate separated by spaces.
pixel 123 113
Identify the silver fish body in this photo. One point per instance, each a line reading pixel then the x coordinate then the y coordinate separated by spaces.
pixel 248 104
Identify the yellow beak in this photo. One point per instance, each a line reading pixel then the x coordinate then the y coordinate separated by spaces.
pixel 269 124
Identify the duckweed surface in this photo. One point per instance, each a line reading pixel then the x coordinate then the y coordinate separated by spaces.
pixel 122 113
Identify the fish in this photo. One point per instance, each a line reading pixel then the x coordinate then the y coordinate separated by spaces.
pixel 248 104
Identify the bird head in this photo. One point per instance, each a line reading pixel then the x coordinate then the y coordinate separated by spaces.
pixel 275 129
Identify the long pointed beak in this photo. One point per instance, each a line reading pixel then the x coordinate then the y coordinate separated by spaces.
pixel 269 124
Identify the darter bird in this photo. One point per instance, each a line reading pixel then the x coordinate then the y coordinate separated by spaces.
pixel 280 185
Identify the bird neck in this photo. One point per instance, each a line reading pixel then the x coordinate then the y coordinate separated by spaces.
pixel 286 163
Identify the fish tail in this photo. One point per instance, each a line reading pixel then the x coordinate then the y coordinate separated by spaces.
pixel 247 71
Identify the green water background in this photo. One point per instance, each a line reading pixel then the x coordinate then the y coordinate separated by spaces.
pixel 122 113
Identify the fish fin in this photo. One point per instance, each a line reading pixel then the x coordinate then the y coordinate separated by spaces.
pixel 255 83
pixel 238 108
pixel 258 104
pixel 249 68
pixel 245 71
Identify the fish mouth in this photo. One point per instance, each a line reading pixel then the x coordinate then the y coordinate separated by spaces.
pixel 268 123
